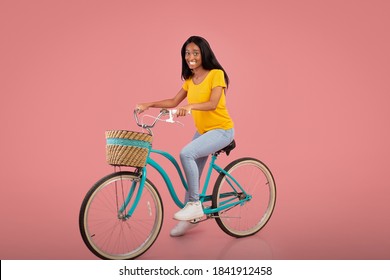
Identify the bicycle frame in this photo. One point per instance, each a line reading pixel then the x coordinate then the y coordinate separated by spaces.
pixel 236 187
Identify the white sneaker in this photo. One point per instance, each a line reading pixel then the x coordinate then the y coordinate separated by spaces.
pixel 191 211
pixel 181 228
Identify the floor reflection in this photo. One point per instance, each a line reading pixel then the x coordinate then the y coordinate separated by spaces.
pixel 208 241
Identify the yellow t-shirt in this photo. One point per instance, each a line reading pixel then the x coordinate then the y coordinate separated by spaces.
pixel 208 120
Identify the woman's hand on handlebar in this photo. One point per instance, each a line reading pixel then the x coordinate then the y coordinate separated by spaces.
pixel 183 111
pixel 141 107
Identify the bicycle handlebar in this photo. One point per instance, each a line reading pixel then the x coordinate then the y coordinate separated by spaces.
pixel 148 127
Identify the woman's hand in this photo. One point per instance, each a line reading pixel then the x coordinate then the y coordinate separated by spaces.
pixel 141 107
pixel 183 111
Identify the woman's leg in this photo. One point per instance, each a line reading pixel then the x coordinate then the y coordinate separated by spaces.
pixel 200 162
pixel 194 156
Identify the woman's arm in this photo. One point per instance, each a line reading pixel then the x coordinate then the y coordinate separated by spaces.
pixel 166 103
pixel 204 106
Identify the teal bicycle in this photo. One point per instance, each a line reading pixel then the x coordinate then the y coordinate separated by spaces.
pixel 122 214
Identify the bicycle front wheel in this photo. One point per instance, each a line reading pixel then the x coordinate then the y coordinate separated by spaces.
pixel 104 225
pixel 254 203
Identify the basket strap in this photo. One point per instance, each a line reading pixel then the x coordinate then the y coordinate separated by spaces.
pixel 128 142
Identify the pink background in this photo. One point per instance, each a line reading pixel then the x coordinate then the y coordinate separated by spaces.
pixel 309 96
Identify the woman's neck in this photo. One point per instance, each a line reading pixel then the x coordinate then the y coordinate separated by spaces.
pixel 199 72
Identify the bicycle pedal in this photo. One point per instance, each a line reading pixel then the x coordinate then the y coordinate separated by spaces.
pixel 199 220
pixel 195 221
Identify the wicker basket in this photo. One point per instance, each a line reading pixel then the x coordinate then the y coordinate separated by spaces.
pixel 127 148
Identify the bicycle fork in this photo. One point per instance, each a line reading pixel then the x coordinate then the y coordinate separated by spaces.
pixel 122 215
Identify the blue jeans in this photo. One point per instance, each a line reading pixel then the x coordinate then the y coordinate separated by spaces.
pixel 194 156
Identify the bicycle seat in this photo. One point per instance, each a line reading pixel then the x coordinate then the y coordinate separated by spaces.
pixel 227 149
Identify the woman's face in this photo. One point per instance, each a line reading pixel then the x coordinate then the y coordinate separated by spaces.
pixel 193 56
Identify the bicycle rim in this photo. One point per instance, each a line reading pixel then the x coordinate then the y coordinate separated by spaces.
pixel 104 230
pixel 248 217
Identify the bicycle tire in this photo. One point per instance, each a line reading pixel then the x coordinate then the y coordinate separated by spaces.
pixel 249 217
pixel 105 232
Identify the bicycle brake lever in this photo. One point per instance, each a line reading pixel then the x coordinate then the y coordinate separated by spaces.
pixel 171 113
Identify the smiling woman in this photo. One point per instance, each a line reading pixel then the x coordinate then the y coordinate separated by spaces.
pixel 196 55
pixel 193 57
pixel 204 86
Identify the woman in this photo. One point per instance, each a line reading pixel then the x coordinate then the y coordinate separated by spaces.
pixel 204 86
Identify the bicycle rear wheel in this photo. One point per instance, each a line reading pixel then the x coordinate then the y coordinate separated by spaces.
pixel 249 216
pixel 104 227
